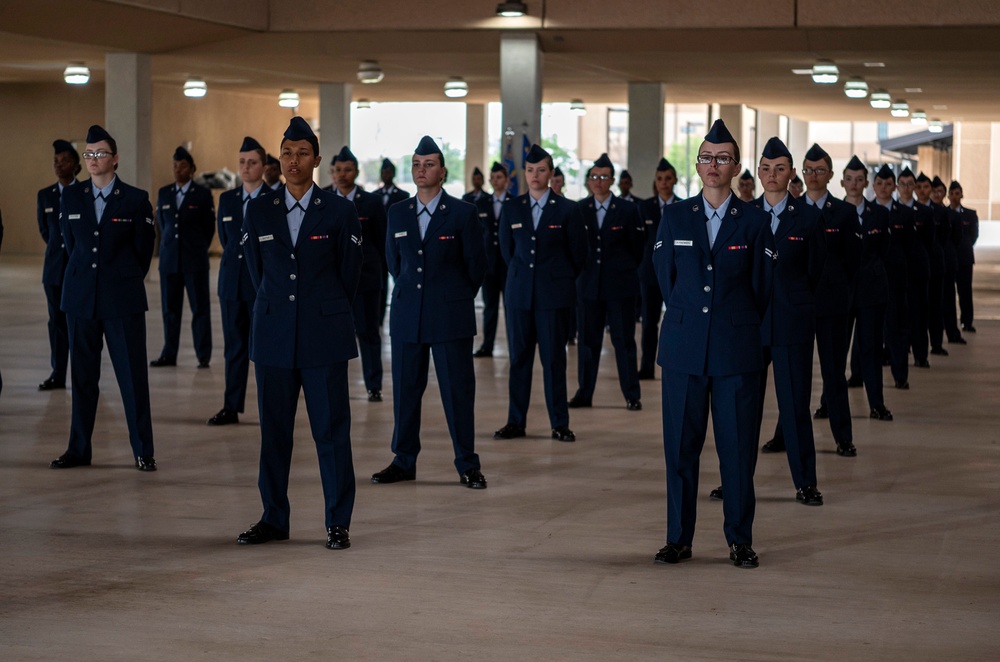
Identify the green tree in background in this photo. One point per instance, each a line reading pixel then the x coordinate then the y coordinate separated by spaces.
pixel 561 157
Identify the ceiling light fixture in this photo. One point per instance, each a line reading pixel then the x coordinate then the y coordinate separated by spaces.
pixel 875 65
pixel 512 9
pixel 369 72
pixel 288 99
pixel 900 108
pixel 856 88
pixel 880 99
pixel 919 118
pixel 576 106
pixel 76 74
pixel 195 88
pixel 936 126
pixel 364 104
pixel 456 88
pixel 825 72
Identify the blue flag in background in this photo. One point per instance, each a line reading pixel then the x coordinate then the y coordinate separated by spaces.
pixel 508 162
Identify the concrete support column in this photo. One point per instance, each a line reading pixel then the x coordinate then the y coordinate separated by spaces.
pixel 732 115
pixel 520 93
pixel 798 140
pixel 334 123
pixel 972 165
pixel 476 139
pixel 768 126
pixel 645 133
pixel 128 115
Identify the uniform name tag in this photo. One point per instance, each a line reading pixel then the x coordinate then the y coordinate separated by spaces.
pixel 226 219
pixel 480 216
pixel 266 237
pixel 515 226
pixel 73 217
pixel 48 210
pixel 683 242
pixel 649 222
pixel 165 207
pixel 399 235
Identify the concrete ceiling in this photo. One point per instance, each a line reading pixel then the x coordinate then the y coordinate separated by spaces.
pixel 950 51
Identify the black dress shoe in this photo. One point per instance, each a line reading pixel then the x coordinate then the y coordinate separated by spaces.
pixel 743 556
pixel 881 414
pixel 939 351
pixel 633 405
pixel 162 362
pixel 337 537
pixel 392 474
pixel 65 461
pixel 773 446
pixel 509 431
pixel 921 363
pixel 855 382
pixel 647 374
pixel 821 412
pixel 576 402
pixel 483 353
pixel 672 553
pixel 902 385
pixel 847 449
pixel 259 533
pixel 809 496
pixel 51 385
pixel 375 395
pixel 969 328
pixel 563 433
pixel 224 417
pixel 145 463
pixel 716 494
pixel 958 341
pixel 474 479
pixel 203 364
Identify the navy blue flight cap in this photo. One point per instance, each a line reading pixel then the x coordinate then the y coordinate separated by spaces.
pixel 664 165
pixel 885 172
pixel 61 146
pixel 477 171
pixel 181 154
pixel 272 161
pixel 496 167
pixel 345 154
pixel 387 165
pixel 536 155
pixel 250 145
pixel 856 164
pixel 796 180
pixel 746 174
pixel 719 135
pixel 624 174
pixel 817 153
pixel 923 178
pixel 954 185
pixel 558 172
pixel 936 182
pixel 299 129
pixel 775 149
pixel 907 173
pixel 96 134
pixel 604 162
pixel 427 147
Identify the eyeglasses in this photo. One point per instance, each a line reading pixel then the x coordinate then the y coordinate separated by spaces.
pixel 599 178
pixel 96 155
pixel 722 160
pixel 815 171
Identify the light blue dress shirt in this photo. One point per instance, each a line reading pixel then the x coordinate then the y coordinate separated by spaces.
pixel 425 212
pixel 296 212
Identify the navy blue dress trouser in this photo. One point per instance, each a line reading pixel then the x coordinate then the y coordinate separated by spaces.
pixel 793 389
pixel 367 311
pixel 236 317
pixel 652 312
pixel 172 288
pixel 493 286
pixel 549 330
pixel 58 334
pixel 619 316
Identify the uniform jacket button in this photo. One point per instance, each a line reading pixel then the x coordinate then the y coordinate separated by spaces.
pixel 705 309
pixel 291 297
pixel 291 276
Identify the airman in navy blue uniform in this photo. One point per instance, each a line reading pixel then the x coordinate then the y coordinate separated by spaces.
pixel 714 257
pixel 272 173
pixel 367 303
pixel 390 195
pixel 477 193
pixel 606 289
pixel 935 252
pixel 66 163
pixel 789 325
pixel 490 210
pixel 746 186
pixel 625 187
pixel 236 289
pixel 543 238
pixel 796 187
pixel 303 251
pixel 968 234
pixel 832 297
pixel 558 181
pixel 897 265
pixel 108 229
pixel 918 267
pixel 871 292
pixel 436 256
pixel 950 233
pixel 651 309
pixel 185 212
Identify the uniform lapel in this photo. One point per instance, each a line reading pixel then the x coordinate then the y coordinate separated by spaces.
pixel 699 224
pixel 786 220
pixel 113 202
pixel 88 213
pixel 611 215
pixel 439 217
pixel 275 217
pixel 313 215
pixel 730 219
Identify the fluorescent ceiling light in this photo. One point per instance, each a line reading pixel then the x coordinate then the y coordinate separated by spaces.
pixel 825 72
pixel 369 72
pixel 195 88
pixel 456 88
pixel 856 88
pixel 880 99
pixel 288 99
pixel 76 74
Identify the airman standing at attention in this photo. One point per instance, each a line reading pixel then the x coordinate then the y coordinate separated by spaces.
pixel 186 215
pixel 625 187
pixel 796 187
pixel 714 258
pixel 558 181
pixel 968 234
pixel 746 186
pixel 66 163
pixel 918 267
pixel 652 299
pixel 477 193
pixel 272 173
pixel 390 195
pixel 490 212
pixel 949 239
pixel 939 222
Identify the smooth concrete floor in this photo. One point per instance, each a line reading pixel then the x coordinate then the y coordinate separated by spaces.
pixel 554 561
